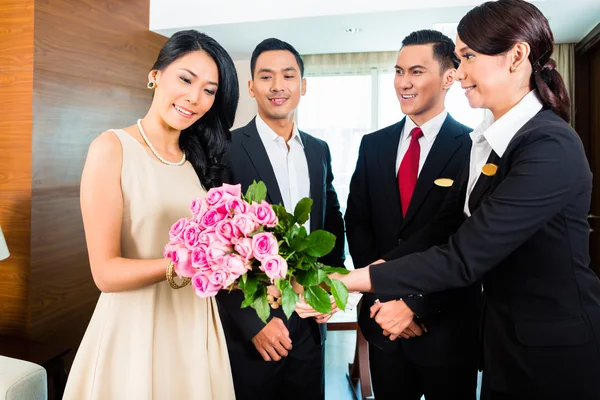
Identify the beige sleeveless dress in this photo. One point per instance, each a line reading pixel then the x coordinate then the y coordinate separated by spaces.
pixel 155 342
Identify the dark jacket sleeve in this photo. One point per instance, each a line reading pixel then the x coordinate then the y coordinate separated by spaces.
pixel 334 222
pixel 359 229
pixel 246 319
pixel 544 174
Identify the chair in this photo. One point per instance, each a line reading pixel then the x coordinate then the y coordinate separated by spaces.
pixel 22 380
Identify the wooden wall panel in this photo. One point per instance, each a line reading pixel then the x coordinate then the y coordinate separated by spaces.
pixel 91 62
pixel 16 81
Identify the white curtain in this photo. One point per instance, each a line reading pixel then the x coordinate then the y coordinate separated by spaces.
pixel 348 63
pixel 564 55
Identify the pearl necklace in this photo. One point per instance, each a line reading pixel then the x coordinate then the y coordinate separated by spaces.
pixel 174 164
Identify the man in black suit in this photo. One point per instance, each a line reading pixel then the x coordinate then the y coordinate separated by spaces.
pixel 284 358
pixel 402 176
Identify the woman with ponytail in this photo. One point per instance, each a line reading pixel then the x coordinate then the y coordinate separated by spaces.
pixel 516 219
pixel 145 340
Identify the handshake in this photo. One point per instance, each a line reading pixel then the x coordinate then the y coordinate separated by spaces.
pixel 394 317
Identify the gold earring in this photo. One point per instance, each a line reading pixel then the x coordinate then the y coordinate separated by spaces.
pixel 151 85
pixel 513 68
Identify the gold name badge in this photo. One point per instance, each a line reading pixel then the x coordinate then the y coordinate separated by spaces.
pixel 489 169
pixel 443 182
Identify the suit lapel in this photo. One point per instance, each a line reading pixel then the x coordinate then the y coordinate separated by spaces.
pixel 444 147
pixel 257 154
pixel 390 193
pixel 483 185
pixel 316 174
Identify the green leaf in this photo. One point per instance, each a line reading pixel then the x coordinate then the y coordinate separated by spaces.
pixel 321 276
pixel 251 285
pixel 261 305
pixel 249 299
pixel 317 298
pixel 260 192
pixel 281 284
pixel 292 232
pixel 308 278
pixel 288 300
pixel 299 242
pixel 320 243
pixel 257 192
pixel 302 210
pixel 339 292
pixel 250 192
pixel 338 270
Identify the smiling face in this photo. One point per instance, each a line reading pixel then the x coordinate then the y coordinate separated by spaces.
pixel 277 85
pixel 420 83
pixel 185 89
pixel 484 78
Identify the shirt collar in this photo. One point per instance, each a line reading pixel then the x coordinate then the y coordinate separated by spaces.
pixel 267 134
pixel 499 133
pixel 430 128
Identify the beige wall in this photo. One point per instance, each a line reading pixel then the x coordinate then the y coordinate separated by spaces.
pixel 247 105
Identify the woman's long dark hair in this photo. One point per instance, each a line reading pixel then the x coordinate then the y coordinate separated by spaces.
pixel 206 141
pixel 496 26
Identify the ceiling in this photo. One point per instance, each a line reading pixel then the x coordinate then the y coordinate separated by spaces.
pixel 318 26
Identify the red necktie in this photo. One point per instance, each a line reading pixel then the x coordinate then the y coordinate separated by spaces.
pixel 409 169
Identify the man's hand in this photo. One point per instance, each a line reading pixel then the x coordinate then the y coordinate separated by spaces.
pixel 396 319
pixel 273 341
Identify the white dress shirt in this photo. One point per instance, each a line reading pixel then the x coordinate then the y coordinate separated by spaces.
pixel 289 165
pixel 430 130
pixel 496 135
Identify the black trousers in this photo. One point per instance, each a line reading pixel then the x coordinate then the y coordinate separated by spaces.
pixel 300 375
pixel 395 377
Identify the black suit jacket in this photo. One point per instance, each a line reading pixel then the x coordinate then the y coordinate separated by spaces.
pixel 375 226
pixel 527 239
pixel 248 161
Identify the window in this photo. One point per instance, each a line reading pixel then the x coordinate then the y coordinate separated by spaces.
pixel 341 109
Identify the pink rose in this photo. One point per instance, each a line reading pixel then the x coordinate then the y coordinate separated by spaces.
pixel 216 197
pixel 199 258
pixel 236 265
pixel 274 266
pixel 212 218
pixel 170 248
pixel 236 206
pixel 218 277
pixel 177 229
pixel 199 207
pixel 191 234
pixel 265 215
pixel 182 263
pixel 226 231
pixel 215 253
pixel 263 245
pixel 207 237
pixel 245 223
pixel 244 247
pixel 203 286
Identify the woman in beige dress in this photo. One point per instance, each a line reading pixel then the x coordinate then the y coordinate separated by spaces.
pixel 146 340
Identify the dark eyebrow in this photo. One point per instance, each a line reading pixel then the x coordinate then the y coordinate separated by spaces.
pixel 269 70
pixel 195 76
pixel 464 49
pixel 413 67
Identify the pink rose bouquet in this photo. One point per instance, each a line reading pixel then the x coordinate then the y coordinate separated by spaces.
pixel 241 242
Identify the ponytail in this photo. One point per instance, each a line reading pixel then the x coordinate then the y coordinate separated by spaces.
pixel 551 88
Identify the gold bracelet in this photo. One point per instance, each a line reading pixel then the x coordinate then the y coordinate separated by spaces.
pixel 170 279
